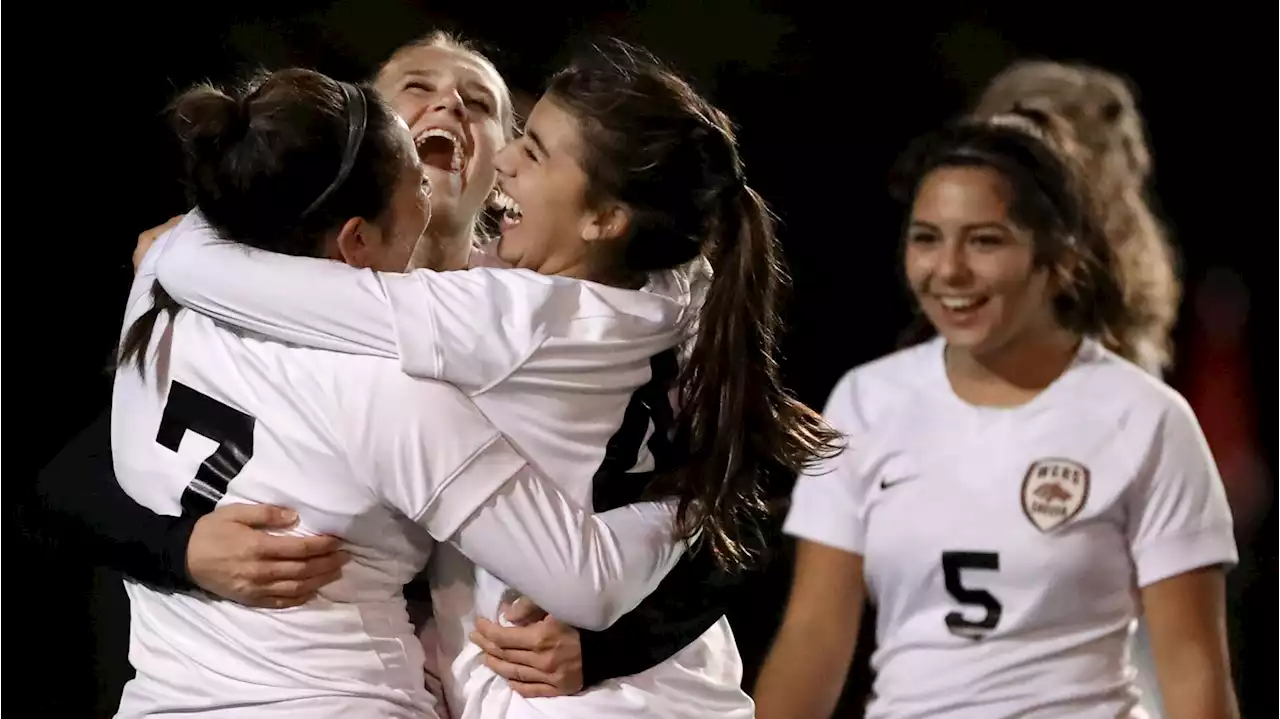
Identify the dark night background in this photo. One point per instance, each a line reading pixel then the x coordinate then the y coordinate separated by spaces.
pixel 825 95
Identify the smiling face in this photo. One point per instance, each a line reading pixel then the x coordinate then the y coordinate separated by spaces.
pixel 970 266
pixel 458 111
pixel 548 224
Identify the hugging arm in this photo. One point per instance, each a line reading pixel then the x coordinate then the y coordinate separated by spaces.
pixel 468 328
pixel 79 486
pixel 227 552
pixel 478 493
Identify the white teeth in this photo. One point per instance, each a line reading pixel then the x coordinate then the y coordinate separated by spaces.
pixel 455 164
pixel 959 303
pixel 509 206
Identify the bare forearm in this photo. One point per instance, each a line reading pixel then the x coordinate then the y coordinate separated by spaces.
pixel 805 672
pixel 1186 619
pixel 1199 693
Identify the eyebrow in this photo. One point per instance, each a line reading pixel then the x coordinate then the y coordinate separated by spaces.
pixel 468 84
pixel 967 227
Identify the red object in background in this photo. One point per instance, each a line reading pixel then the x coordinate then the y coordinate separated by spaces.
pixel 1216 380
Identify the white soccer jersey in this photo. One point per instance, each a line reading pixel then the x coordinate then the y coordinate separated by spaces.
pixel 1003 548
pixel 553 362
pixel 362 451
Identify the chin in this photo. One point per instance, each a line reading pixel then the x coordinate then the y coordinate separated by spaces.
pixel 506 251
pixel 973 341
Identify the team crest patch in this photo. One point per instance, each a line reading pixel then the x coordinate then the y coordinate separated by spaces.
pixel 1054 491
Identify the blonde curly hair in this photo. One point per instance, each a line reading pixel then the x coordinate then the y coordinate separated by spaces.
pixel 1111 148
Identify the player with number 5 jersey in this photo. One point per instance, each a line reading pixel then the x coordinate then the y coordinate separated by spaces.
pixel 1014 495
pixel 620 252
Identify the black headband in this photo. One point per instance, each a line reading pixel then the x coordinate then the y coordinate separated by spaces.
pixel 357 118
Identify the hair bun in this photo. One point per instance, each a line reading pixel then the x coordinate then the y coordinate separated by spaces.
pixel 206 113
pixel 209 123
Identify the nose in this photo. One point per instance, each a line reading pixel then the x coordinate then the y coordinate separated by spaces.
pixel 952 263
pixel 448 100
pixel 504 160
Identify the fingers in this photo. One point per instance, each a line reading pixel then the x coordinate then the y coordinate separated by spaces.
pixel 534 637
pixel 304 589
pixel 169 224
pixel 276 547
pixel 285 593
pixel 541 661
pixel 517 672
pixel 258 516
pixel 522 612
pixel 267 571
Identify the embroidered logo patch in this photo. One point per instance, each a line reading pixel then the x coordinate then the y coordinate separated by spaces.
pixel 1054 491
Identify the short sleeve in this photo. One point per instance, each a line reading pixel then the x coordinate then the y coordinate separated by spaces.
pixel 826 505
pixel 425 449
pixel 1179 519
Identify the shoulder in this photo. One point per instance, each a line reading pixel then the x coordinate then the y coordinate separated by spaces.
pixel 1121 390
pixel 870 394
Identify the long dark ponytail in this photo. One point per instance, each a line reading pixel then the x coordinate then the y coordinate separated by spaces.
pixel 653 144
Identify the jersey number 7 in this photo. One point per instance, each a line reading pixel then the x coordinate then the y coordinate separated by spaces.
pixel 189 410
pixel 953 563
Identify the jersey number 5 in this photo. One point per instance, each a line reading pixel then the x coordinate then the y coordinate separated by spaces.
pixel 953 563
pixel 189 410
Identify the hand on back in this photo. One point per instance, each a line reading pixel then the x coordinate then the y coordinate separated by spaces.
pixel 233 554
pixel 539 656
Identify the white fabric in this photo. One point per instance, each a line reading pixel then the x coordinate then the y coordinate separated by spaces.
pixel 364 452
pixel 551 361
pixel 928 475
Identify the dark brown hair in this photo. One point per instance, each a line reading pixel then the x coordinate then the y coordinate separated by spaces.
pixel 1049 198
pixel 1111 147
pixel 279 164
pixel 653 144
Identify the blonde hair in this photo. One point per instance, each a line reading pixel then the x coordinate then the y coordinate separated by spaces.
pixel 1109 142
pixel 457 43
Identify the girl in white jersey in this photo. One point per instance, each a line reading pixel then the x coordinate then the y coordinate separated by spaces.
pixel 1015 495
pixel 624 180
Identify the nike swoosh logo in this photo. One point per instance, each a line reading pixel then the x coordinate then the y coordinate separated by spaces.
pixel 886 484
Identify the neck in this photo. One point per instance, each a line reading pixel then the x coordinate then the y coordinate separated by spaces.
pixel 593 267
pixel 443 248
pixel 1014 373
